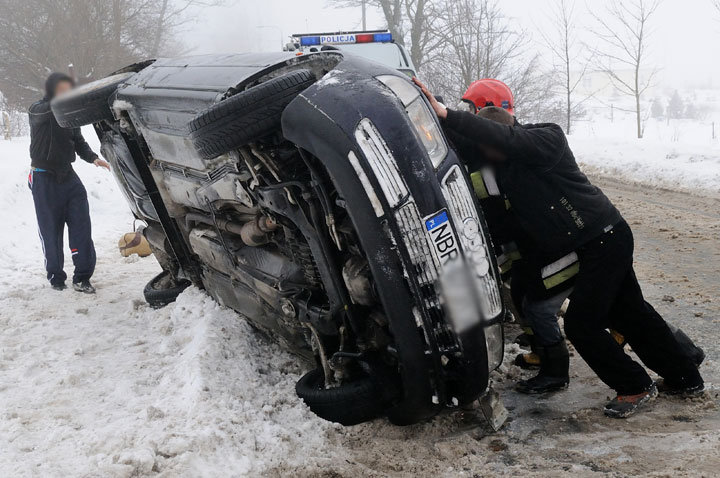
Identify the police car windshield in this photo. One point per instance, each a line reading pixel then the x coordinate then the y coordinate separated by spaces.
pixel 386 53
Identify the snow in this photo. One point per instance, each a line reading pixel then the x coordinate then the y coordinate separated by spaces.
pixel 679 155
pixel 106 386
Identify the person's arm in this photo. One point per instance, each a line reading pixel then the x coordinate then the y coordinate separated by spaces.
pixel 85 152
pixel 39 113
pixel 468 150
pixel 538 146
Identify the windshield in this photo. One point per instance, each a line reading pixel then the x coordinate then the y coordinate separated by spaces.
pixel 388 54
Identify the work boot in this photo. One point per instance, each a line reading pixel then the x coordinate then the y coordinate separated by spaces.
pixel 85 287
pixel 528 361
pixel 554 371
pixel 623 406
pixel 686 391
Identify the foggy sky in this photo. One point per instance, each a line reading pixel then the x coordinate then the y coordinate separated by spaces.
pixel 684 41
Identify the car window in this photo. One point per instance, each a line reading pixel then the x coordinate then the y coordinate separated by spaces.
pixel 386 53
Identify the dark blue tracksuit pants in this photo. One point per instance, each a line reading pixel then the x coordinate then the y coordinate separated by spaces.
pixel 57 204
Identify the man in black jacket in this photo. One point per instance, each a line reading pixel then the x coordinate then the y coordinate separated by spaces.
pixel 562 212
pixel 59 195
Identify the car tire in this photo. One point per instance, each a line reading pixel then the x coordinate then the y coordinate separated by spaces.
pixel 349 404
pixel 163 289
pixel 246 116
pixel 88 103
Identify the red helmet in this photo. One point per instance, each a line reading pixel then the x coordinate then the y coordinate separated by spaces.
pixel 490 92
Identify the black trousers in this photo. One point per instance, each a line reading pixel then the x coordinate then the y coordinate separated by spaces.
pixel 58 203
pixel 607 295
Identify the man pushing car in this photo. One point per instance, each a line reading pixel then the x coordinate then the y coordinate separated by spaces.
pixel 562 212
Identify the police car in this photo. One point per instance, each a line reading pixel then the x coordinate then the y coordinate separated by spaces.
pixel 376 45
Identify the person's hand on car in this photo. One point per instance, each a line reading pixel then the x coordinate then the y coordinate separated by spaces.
pixel 101 163
pixel 439 109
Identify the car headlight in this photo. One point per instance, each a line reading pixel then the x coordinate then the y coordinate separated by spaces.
pixel 428 130
pixel 420 115
pixel 494 344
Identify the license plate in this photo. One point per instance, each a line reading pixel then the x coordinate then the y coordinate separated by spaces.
pixel 442 236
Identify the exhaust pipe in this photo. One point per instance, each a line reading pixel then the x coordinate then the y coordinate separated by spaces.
pixel 257 232
pixel 254 233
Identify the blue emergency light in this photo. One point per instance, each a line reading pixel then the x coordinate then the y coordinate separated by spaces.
pixel 345 38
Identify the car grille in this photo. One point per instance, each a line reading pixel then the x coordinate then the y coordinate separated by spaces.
pixel 461 205
pixel 382 162
pixel 426 268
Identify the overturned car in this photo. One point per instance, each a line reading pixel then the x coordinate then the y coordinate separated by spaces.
pixel 317 196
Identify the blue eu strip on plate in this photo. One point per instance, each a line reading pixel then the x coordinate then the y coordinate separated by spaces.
pixel 436 220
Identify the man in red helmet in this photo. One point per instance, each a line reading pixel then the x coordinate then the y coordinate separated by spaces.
pixel 488 92
pixel 562 212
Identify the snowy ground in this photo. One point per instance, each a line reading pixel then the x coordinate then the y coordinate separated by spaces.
pixel 678 155
pixel 106 387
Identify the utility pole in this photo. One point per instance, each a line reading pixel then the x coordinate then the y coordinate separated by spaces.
pixel 364 16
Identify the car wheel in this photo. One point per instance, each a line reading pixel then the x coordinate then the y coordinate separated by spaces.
pixel 349 404
pixel 246 116
pixel 88 103
pixel 163 289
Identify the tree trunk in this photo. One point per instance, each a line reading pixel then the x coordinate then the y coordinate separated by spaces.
pixel 569 113
pixel 638 116
pixel 637 101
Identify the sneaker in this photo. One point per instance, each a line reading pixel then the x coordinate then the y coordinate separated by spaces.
pixel 59 286
pixel 623 406
pixel 528 361
pixel 682 392
pixel 84 287
pixel 542 384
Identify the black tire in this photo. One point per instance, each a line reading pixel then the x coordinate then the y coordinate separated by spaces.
pixel 163 289
pixel 246 116
pixel 349 404
pixel 88 103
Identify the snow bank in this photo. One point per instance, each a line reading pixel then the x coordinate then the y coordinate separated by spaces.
pixel 105 386
pixel 677 154
pixel 677 166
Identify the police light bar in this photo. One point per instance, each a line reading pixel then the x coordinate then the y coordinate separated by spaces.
pixel 345 38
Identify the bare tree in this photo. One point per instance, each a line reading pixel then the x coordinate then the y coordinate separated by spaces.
pixel 479 39
pixel 411 22
pixel 564 46
pixel 40 36
pixel 622 34
pixel 170 16
pixel 480 42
